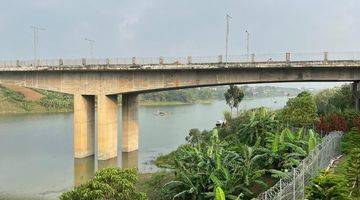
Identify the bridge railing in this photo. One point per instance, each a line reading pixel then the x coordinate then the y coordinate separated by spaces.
pixel 248 58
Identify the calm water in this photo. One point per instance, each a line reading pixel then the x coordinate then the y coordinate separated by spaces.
pixel 36 150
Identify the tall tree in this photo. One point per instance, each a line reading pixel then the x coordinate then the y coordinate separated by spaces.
pixel 301 110
pixel 233 97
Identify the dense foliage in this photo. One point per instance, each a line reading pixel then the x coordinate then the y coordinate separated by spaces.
pixel 353 171
pixel 300 111
pixel 336 100
pixel 110 183
pixel 327 186
pixel 55 101
pixel 240 160
pixel 328 123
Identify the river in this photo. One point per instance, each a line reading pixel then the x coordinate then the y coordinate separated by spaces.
pixel 36 150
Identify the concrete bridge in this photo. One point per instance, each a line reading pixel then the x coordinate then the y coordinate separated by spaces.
pixel 100 81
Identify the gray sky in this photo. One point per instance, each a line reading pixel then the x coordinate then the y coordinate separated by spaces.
pixel 176 28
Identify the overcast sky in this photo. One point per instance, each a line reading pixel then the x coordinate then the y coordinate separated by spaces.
pixel 176 28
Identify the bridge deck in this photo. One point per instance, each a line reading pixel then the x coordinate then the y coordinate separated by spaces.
pixel 199 66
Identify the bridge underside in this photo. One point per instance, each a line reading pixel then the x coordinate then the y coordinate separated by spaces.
pixel 90 86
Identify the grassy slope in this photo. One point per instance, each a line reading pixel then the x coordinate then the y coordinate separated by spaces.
pixel 9 105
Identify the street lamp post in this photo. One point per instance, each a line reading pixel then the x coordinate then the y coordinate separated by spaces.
pixel 228 17
pixel 91 44
pixel 36 30
pixel 248 45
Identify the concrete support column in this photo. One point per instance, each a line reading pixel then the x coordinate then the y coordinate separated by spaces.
pixel 130 133
pixel 84 125
pixel 107 126
pixel 356 94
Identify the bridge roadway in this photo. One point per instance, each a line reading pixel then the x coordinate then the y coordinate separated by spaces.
pixel 90 83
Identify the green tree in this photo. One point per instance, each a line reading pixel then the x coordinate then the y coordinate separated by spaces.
pixel 300 111
pixel 335 100
pixel 327 186
pixel 353 171
pixel 233 97
pixel 110 183
pixel 256 125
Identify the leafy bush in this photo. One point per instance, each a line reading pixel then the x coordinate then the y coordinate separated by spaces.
pixel 300 111
pixel 253 126
pixel 199 170
pixel 350 141
pixel 335 100
pixel 286 149
pixel 353 171
pixel 356 123
pixel 327 186
pixel 110 183
pixel 56 101
pixel 329 123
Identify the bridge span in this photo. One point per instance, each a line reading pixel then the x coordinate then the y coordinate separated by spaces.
pixel 100 81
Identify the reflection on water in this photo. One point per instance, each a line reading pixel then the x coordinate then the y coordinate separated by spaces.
pixel 84 168
pixel 36 150
pixel 102 164
pixel 130 160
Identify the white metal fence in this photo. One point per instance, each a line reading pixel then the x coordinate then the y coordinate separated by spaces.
pixel 292 187
pixel 275 57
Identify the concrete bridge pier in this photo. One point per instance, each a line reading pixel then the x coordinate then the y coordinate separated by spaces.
pixel 84 125
pixel 130 132
pixel 107 127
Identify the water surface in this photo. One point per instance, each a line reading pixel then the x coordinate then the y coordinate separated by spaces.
pixel 36 150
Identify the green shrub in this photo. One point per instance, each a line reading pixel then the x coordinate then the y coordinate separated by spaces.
pixel 300 111
pixel 350 141
pixel 56 101
pixel 353 171
pixel 110 183
pixel 327 186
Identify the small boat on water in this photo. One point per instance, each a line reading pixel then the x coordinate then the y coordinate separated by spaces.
pixel 220 123
pixel 160 113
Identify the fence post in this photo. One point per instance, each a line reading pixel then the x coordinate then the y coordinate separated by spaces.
pixel 325 56
pixel 287 56
pixel 189 59
pixel 161 60
pixel 265 195
pixel 280 191
pixel 294 184
pixel 303 181
pixel 252 57
pixel 220 59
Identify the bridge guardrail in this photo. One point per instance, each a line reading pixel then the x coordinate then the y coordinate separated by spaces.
pixel 277 57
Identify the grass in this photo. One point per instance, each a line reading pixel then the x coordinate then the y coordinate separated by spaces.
pixel 152 184
pixel 14 102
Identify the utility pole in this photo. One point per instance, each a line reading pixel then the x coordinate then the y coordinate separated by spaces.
pixel 228 17
pixel 248 45
pixel 91 43
pixel 36 30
